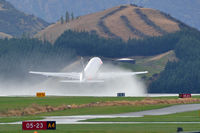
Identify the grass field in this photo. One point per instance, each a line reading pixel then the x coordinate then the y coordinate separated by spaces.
pixel 103 110
pixel 84 111
pixel 21 102
pixel 108 128
pixel 7 103
pixel 193 116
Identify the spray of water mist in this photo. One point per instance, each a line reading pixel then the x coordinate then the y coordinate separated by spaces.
pixel 130 85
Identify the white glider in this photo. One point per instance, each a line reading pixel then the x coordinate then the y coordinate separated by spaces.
pixel 89 73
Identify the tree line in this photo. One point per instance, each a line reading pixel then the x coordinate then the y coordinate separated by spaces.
pixel 182 76
pixel 91 44
pixel 68 17
pixel 19 56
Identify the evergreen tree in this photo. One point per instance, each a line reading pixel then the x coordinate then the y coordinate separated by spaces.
pixel 72 16
pixel 67 17
pixel 61 20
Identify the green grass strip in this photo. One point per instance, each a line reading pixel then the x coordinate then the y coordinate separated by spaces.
pixel 107 128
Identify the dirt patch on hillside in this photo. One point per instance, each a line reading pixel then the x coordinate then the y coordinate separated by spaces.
pixel 170 54
pixel 37 109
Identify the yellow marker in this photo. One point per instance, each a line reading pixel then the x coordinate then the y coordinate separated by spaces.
pixel 53 125
pixel 49 126
pixel 40 94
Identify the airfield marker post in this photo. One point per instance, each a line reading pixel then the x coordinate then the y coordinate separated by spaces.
pixel 39 125
pixel 40 94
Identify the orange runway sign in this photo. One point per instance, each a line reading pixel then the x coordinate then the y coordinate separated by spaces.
pixel 40 94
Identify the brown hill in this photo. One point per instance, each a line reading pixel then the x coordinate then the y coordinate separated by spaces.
pixel 125 21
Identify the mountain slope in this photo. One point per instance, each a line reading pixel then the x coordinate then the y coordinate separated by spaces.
pixel 187 11
pixel 15 23
pixel 124 22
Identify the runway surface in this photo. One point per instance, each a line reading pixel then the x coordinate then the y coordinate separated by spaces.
pixel 162 111
pixel 144 95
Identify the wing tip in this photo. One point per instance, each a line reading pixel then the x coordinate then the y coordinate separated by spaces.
pixel 30 72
